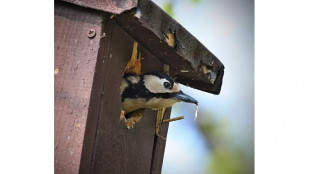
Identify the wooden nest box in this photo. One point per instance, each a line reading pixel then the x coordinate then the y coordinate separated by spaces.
pixel 94 41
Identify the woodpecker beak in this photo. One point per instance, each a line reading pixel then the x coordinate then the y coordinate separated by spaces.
pixel 185 98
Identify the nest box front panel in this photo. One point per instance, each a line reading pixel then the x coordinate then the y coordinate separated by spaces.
pixel 106 135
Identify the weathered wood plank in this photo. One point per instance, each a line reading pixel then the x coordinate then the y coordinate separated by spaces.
pixel 118 150
pixel 148 24
pixel 75 59
pixel 87 81
pixel 152 63
pixel 159 146
pixel 110 6
pixel 194 64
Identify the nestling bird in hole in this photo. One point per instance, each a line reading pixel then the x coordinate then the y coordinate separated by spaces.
pixel 153 90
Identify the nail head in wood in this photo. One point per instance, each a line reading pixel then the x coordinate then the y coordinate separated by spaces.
pixel 91 33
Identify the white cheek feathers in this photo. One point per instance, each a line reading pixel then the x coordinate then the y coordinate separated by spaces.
pixel 176 88
pixel 134 79
pixel 155 85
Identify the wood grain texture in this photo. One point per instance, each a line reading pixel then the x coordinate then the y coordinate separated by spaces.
pixel 89 137
pixel 148 24
pixel 118 150
pixel 159 146
pixel 111 6
pixel 194 64
pixel 75 58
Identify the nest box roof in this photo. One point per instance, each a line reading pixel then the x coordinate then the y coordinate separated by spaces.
pixel 165 38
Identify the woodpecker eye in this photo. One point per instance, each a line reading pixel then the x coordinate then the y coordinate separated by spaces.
pixel 167 85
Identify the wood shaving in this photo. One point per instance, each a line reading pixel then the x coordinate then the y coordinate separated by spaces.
pixel 170 39
pixel 135 63
pixel 195 115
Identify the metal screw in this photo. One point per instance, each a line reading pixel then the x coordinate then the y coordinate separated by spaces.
pixel 91 33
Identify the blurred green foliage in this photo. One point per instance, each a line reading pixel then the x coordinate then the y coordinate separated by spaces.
pixel 195 1
pixel 167 7
pixel 225 158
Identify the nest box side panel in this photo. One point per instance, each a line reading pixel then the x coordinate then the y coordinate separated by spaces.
pixel 75 60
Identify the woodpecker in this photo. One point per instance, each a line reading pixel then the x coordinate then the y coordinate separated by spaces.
pixel 153 90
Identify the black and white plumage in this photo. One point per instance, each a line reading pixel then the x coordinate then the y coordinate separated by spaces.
pixel 152 90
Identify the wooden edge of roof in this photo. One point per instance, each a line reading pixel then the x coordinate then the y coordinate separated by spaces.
pixel 165 38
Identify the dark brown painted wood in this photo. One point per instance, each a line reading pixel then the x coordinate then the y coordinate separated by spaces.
pixel 87 88
pixel 153 63
pixel 116 149
pixel 192 61
pixel 89 137
pixel 159 147
pixel 75 58
pixel 194 64
pixel 111 6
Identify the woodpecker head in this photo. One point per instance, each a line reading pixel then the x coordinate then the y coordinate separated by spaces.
pixel 151 90
pixel 164 88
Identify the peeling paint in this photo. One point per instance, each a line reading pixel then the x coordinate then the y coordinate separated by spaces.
pixel 170 39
